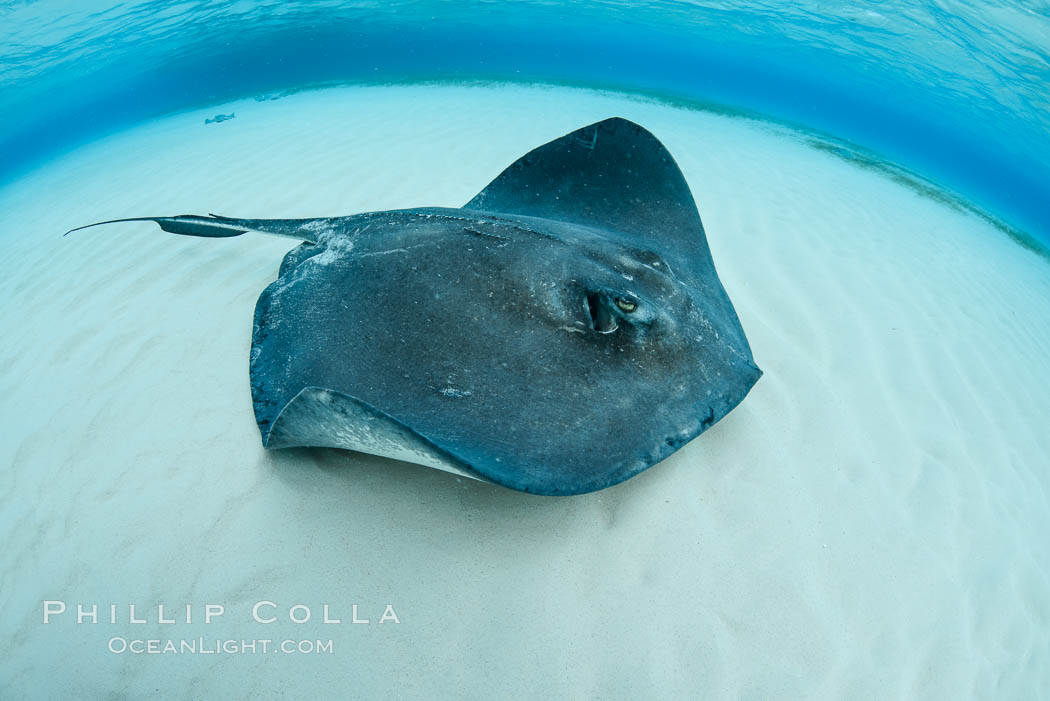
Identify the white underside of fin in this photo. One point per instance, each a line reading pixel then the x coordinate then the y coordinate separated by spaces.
pixel 319 417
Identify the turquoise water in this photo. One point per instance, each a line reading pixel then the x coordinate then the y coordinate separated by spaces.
pixel 955 91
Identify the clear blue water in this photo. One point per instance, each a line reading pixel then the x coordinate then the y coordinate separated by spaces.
pixel 958 92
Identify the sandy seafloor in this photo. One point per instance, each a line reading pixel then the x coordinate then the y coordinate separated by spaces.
pixel 870 523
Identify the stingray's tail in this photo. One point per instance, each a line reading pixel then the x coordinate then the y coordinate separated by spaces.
pixel 216 227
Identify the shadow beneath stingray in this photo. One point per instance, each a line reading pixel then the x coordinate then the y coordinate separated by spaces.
pixel 433 495
pixel 386 477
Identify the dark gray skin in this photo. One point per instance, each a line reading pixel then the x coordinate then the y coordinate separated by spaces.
pixel 559 334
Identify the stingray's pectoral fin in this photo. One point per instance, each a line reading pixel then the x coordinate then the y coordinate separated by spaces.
pixel 323 418
pixel 613 175
pixel 216 227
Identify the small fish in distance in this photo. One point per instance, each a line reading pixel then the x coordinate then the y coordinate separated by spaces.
pixel 220 118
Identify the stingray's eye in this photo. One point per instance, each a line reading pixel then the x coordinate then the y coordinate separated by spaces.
pixel 608 310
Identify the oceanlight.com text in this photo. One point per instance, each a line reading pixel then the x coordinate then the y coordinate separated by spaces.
pixel 203 646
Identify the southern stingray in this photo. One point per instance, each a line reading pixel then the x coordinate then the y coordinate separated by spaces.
pixel 561 332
